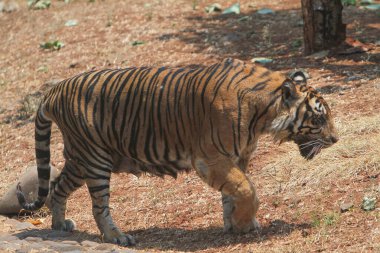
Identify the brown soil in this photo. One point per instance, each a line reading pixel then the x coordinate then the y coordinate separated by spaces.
pixel 299 200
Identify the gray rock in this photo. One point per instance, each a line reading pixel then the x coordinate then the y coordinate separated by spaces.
pixel 37 246
pixel 125 251
pixel 67 248
pixel 62 247
pixel 8 238
pixel 23 225
pixel 344 207
pixel 33 239
pixel 106 246
pixel 70 242
pixel 89 244
pixel 14 225
pixel 29 183
pixel 9 247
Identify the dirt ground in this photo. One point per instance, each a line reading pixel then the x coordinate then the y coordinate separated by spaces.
pixel 300 201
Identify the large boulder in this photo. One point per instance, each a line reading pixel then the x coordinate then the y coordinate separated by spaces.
pixel 29 184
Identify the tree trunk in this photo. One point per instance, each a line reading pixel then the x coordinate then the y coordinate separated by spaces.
pixel 323 27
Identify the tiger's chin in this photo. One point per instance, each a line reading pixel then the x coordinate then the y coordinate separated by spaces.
pixel 308 147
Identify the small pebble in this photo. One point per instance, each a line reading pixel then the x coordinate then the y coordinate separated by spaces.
pixel 344 207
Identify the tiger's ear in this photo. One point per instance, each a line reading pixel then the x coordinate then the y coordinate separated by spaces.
pixel 299 77
pixel 289 93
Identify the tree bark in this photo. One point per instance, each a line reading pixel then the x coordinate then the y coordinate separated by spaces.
pixel 323 27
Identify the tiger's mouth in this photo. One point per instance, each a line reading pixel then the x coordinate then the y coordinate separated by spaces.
pixel 308 147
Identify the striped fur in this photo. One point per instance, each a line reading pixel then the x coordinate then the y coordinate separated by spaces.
pixel 166 120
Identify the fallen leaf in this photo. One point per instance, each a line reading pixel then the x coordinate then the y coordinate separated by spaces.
pixel 372 7
pixel 35 222
pixel 265 11
pixel 43 69
pixel 262 60
pixel 71 22
pixel 244 18
pixel 352 46
pixel 233 9
pixel 213 8
pixel 319 55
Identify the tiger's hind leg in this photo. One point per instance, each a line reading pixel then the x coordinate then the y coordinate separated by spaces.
pixel 68 181
pixel 98 182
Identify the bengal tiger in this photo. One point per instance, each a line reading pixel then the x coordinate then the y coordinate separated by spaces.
pixel 166 120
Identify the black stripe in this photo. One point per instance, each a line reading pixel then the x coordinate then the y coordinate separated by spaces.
pixel 43 173
pixel 42 153
pixel 99 188
pixel 42 137
pixel 43 192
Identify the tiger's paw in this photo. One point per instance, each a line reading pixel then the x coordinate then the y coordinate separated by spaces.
pixel 67 225
pixel 256 225
pixel 246 227
pixel 121 239
pixel 227 227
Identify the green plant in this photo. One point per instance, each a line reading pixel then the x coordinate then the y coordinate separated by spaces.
pixel 39 4
pixel 330 219
pixel 137 43
pixel 315 220
pixel 348 2
pixel 296 43
pixel 53 45
pixel 194 4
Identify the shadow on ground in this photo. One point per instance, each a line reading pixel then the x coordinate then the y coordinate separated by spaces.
pixel 178 239
pixel 54 235
pixel 208 238
pixel 278 36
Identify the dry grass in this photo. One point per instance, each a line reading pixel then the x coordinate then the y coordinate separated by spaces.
pixel 357 151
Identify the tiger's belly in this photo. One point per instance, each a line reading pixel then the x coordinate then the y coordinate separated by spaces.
pixel 129 165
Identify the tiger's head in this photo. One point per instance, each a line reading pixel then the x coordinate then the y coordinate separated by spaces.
pixel 307 118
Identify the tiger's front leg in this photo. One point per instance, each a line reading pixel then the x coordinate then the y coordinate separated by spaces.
pixel 100 194
pixel 240 202
pixel 228 201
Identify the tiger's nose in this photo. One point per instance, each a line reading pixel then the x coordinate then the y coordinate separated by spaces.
pixel 334 139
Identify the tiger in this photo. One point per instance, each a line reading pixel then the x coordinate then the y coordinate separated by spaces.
pixel 167 120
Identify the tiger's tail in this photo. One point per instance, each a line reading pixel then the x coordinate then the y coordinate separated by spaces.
pixel 42 147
